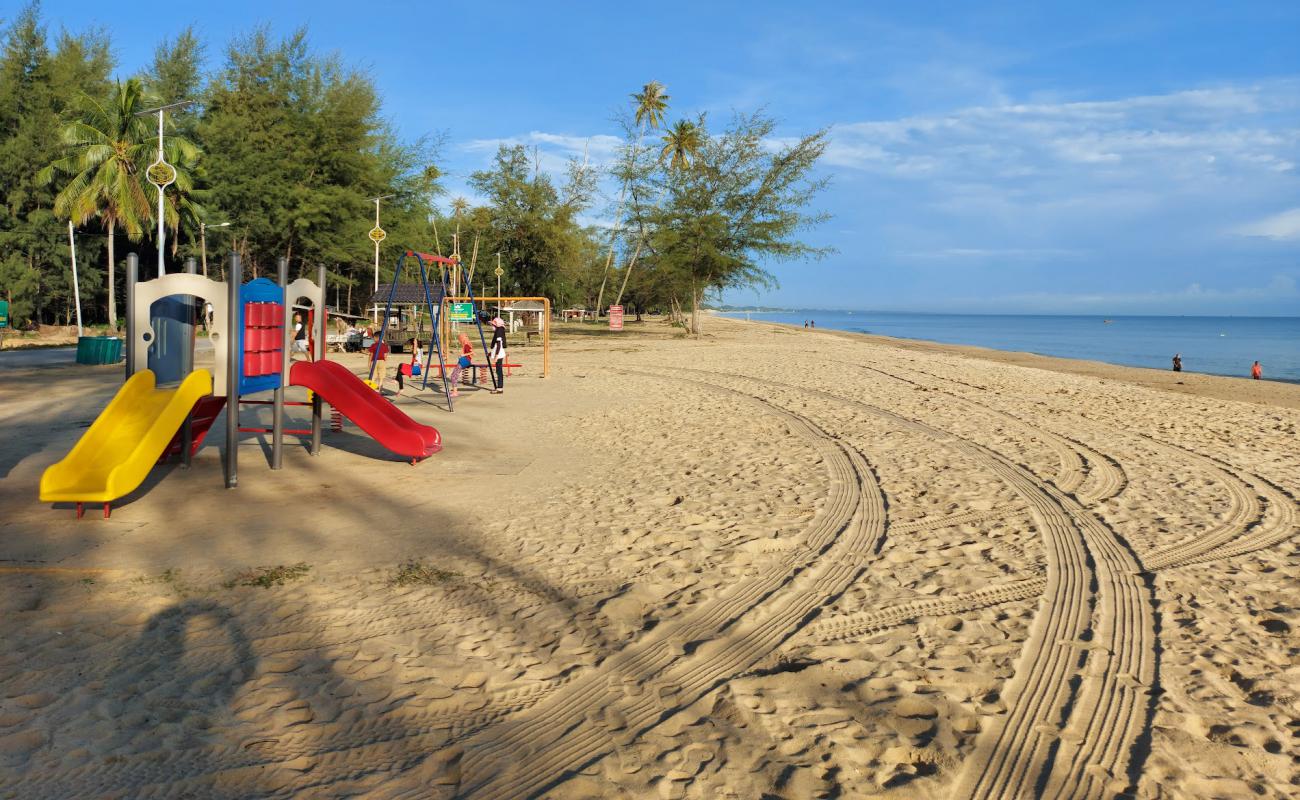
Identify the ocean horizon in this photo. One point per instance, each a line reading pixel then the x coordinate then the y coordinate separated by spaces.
pixel 1213 345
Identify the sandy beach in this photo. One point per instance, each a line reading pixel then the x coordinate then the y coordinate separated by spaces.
pixel 766 563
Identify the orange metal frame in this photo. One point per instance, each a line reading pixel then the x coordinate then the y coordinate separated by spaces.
pixel 546 326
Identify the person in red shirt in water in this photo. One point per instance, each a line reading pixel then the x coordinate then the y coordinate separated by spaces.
pixel 1256 371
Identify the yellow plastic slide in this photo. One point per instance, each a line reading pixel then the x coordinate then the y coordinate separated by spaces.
pixel 115 455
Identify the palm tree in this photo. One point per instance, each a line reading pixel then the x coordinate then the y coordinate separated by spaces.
pixel 681 144
pixel 459 205
pixel 109 146
pixel 650 104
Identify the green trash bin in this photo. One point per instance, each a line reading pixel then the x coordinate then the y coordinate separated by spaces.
pixel 86 349
pixel 99 350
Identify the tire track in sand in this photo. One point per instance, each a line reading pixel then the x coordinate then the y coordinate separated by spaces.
pixel 1243 528
pixel 856 625
pixel 1081 466
pixel 1096 629
pixel 671 668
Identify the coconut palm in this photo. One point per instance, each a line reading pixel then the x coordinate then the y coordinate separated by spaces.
pixel 109 148
pixel 681 143
pixel 649 104
pixel 459 205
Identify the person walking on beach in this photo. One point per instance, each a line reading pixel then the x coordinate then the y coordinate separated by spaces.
pixel 1178 362
pixel 299 337
pixel 497 353
pixel 1256 371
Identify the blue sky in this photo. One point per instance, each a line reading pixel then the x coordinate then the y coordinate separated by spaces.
pixel 1001 157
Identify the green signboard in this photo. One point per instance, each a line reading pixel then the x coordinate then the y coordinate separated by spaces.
pixel 4 313
pixel 462 312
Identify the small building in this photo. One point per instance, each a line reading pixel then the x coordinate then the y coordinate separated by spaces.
pixel 579 314
pixel 409 316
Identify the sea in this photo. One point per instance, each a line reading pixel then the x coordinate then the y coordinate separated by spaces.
pixel 1213 345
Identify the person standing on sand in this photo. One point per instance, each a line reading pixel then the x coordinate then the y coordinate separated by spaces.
pixel 379 357
pixel 299 337
pixel 1256 371
pixel 812 323
pixel 1178 362
pixel 497 353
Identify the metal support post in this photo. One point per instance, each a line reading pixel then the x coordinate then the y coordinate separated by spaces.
pixel 132 277
pixel 286 322
pixel 234 279
pixel 318 354
pixel 187 427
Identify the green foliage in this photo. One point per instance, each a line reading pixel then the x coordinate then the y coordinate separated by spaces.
pixel 289 147
pixel 533 224
pixel 731 204
pixel 38 89
pixel 296 149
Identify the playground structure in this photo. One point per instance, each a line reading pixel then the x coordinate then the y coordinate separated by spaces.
pixel 440 306
pixel 251 333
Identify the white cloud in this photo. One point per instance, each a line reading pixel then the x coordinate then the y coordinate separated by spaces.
pixel 1182 134
pixel 597 149
pixel 1284 226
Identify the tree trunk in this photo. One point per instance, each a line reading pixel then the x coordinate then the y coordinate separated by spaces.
pixel 112 279
pixel 695 310
pixel 640 242
pixel 618 224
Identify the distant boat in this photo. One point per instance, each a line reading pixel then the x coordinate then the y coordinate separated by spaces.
pixel 1107 321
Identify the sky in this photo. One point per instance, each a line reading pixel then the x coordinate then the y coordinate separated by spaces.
pixel 1092 158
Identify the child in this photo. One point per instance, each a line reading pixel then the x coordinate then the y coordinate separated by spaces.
pixel 497 353
pixel 379 356
pixel 412 369
pixel 465 361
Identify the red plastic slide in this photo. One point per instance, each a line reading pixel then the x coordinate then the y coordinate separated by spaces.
pixel 204 414
pixel 385 423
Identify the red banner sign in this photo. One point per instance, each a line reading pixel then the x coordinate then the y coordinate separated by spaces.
pixel 616 318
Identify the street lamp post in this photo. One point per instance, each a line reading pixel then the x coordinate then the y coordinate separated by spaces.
pixel 203 241
pixel 162 175
pixel 377 235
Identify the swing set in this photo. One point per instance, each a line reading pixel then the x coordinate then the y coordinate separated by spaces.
pixel 434 302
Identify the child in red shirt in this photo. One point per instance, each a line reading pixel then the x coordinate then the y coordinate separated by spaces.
pixel 466 359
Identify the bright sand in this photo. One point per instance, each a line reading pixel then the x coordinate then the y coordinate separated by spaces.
pixel 767 563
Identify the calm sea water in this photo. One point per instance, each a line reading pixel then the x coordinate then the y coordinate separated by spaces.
pixel 1216 345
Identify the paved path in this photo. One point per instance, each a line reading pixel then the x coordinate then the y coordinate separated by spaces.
pixel 29 357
